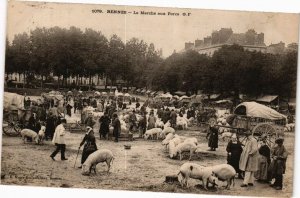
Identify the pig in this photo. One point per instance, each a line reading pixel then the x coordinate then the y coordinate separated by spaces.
pixel 101 155
pixel 224 172
pixel 183 147
pixel 166 131
pixel 196 171
pixel 192 140
pixel 41 134
pixel 167 139
pixel 30 134
pixel 152 132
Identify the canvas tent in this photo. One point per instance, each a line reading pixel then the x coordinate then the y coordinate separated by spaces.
pixel 179 93
pixel 253 109
pixel 267 98
pixel 13 101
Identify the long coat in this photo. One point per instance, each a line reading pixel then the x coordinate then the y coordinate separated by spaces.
pixel 90 146
pixel 236 150
pixel 278 166
pixel 263 163
pixel 104 124
pixel 173 117
pixel 117 127
pixel 59 135
pixel 50 126
pixel 213 137
pixel 249 160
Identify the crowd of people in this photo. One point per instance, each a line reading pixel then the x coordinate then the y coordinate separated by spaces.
pixel 253 160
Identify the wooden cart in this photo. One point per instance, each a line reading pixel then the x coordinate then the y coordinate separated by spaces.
pixel 259 119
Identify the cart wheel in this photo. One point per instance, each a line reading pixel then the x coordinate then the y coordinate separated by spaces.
pixel 265 129
pixel 212 121
pixel 11 129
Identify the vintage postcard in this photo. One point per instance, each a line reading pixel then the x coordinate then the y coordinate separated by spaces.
pixel 192 101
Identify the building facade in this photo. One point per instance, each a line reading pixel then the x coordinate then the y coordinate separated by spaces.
pixel 250 40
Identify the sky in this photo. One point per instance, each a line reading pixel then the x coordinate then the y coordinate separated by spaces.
pixel 167 32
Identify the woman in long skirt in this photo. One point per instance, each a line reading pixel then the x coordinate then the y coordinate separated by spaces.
pixel 90 146
pixel 263 162
pixel 234 150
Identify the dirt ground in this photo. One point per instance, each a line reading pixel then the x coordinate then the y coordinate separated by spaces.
pixel 142 168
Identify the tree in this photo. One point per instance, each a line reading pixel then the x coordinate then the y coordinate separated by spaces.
pixel 20 51
pixel 39 58
pixel 288 74
pixel 94 54
pixel 136 61
pixel 228 68
pixel 116 58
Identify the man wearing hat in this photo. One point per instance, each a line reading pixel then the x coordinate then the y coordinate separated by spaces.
pixel 59 140
pixel 249 160
pixel 278 164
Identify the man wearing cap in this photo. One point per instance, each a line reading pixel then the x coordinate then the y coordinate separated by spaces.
pixel 249 160
pixel 59 140
pixel 278 164
pixel 90 146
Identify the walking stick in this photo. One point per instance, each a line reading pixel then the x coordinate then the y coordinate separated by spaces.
pixel 76 157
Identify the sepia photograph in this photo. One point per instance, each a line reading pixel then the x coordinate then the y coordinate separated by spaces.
pixel 149 99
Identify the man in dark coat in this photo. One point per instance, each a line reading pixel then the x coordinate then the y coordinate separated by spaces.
pixel 142 124
pixel 90 146
pixel 94 103
pixel 173 117
pixel 278 164
pixel 166 115
pixel 104 125
pixel 69 107
pixel 160 112
pixel 117 127
pixel 32 122
pixel 190 113
pixel 132 120
pixel 50 126
pixel 213 137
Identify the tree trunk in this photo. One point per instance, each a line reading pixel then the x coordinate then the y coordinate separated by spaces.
pixel 63 81
pixel 24 79
pixel 58 81
pixel 42 81
pixel 90 81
